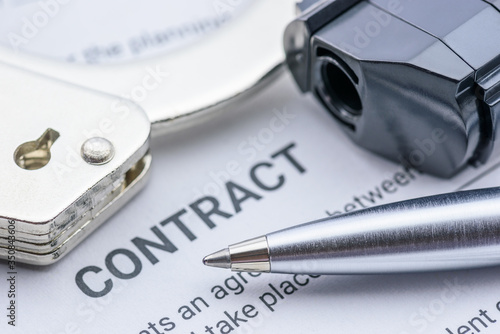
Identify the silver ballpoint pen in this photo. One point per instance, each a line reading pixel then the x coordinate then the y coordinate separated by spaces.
pixel 444 232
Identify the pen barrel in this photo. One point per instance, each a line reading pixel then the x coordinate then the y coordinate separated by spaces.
pixel 443 232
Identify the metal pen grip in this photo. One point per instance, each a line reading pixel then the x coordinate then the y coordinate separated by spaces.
pixel 442 232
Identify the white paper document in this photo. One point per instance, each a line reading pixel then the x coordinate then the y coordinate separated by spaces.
pixel 97 32
pixel 276 160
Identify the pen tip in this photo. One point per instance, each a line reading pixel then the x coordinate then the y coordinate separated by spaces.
pixel 220 259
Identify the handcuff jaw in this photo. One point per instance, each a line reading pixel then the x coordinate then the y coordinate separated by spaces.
pixel 400 76
pixel 70 158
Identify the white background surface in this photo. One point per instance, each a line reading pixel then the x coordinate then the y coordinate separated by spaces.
pixel 88 31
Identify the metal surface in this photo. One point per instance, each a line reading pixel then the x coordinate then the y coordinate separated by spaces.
pixel 220 259
pixel 53 206
pixel 443 232
pixel 415 81
pixel 97 151
pixel 296 40
pixel 175 88
pixel 250 255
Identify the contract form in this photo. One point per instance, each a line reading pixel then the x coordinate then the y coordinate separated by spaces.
pixel 277 158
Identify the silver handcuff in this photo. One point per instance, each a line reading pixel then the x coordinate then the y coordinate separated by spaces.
pixel 400 83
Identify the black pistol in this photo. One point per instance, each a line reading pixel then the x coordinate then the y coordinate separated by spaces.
pixel 416 81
